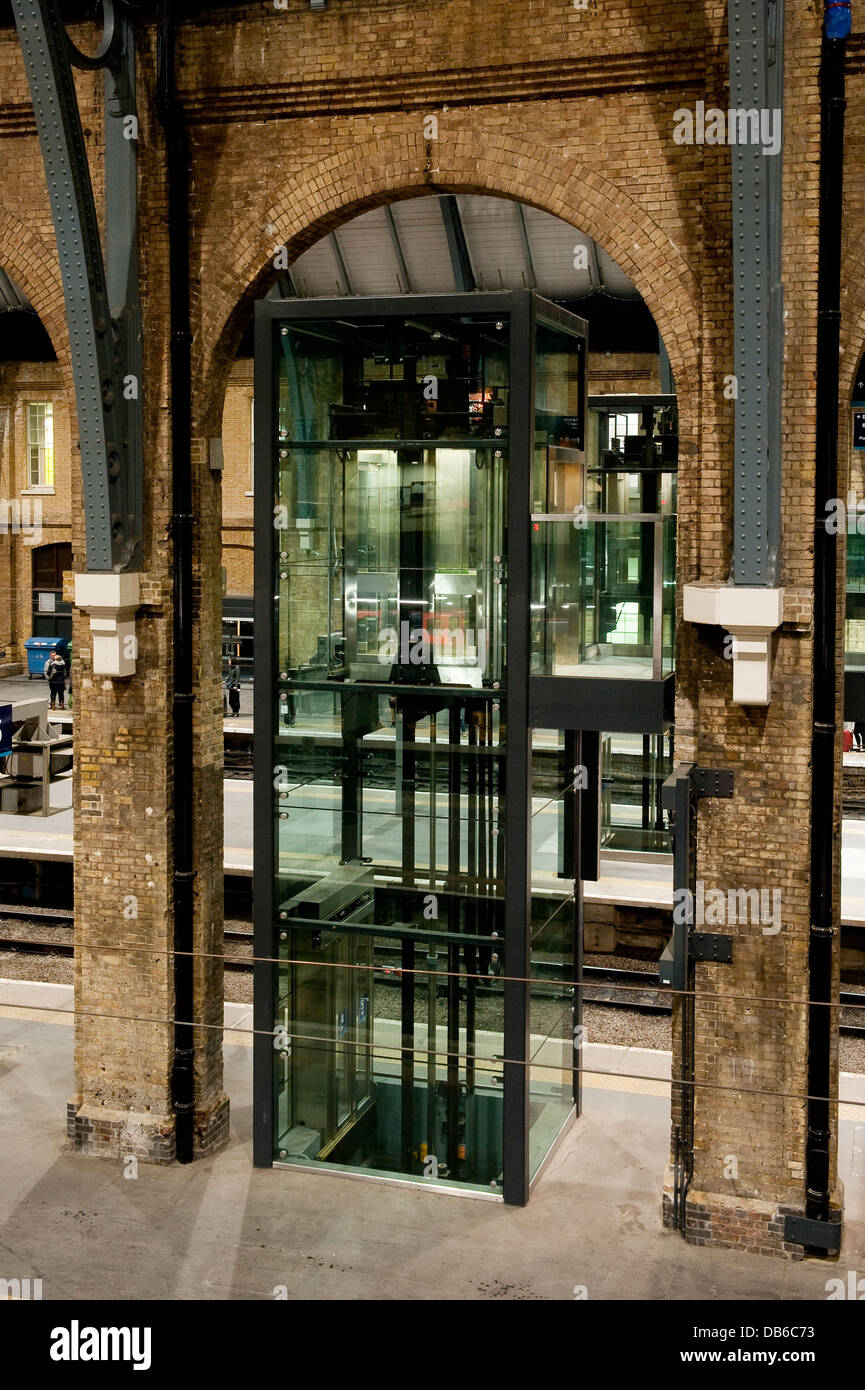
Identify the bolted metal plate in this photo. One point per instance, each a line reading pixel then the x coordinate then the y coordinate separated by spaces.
pixel 711 946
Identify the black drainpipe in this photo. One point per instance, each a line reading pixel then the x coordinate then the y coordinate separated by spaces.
pixel 171 115
pixel 823 885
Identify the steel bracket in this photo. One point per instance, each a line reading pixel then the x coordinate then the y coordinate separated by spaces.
pixel 683 789
pixel 712 781
pixel 712 946
pixel 820 1235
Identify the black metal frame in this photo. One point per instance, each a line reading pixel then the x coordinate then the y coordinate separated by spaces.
pixel 568 705
pixel 263 823
pixel 680 794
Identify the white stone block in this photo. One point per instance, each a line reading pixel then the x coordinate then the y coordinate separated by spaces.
pixel 700 603
pixel 111 600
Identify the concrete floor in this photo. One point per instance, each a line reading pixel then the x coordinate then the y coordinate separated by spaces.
pixel 220 1229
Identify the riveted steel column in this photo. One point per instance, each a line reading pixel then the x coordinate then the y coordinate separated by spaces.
pixel 756 75
pixel 122 271
pixel 112 507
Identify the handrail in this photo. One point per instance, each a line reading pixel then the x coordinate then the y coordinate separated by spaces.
pixel 602 516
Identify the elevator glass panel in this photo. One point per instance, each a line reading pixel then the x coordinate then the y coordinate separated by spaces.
pixel 552 1032
pixel 390 589
pixel 634 768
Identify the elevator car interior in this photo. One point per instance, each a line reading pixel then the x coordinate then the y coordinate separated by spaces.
pixel 464 624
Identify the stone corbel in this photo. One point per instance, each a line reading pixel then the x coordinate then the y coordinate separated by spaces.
pixel 111 600
pixel 750 616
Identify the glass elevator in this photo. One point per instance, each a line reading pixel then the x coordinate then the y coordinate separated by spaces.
pixel 443 572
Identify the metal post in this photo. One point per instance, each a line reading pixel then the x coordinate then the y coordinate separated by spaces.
pixel 265 797
pixel 518 765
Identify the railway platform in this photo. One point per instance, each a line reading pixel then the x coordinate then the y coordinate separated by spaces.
pixel 626 879
pixel 222 1229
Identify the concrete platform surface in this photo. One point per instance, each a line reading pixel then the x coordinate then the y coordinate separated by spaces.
pixel 635 879
pixel 220 1229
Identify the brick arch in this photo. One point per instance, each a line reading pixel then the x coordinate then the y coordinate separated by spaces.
pixel 32 264
pixel 335 190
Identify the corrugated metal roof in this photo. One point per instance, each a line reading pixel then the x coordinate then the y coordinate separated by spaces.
pixel 424 245
pixel 510 247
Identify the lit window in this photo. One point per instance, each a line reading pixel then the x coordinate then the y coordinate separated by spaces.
pixel 627 629
pixel 40 443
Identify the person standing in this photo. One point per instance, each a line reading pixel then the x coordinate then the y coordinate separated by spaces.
pixel 232 685
pixel 55 674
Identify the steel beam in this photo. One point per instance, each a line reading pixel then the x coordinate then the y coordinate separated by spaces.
pixel 532 282
pixel 461 261
pixel 122 269
pixel 596 275
pixel 340 264
pixel 406 287
pixel 104 349
pixel 755 38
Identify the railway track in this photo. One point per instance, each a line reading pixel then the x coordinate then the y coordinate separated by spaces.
pixel 57 918
pixel 637 990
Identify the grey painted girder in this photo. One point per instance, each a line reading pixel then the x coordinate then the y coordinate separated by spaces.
pixel 756 71
pixel 461 261
pixel 406 287
pixel 110 469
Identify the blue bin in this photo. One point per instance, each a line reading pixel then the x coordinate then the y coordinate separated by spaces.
pixel 38 651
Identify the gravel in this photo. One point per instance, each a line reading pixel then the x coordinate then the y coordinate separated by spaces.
pixel 621 1027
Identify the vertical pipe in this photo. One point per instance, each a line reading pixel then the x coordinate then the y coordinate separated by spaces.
pixel 453 990
pixel 177 161
pixel 453 1061
pixel 823 885
pixel 473 887
pixel 407 989
pixel 407 733
pixel 471 960
pixel 431 1060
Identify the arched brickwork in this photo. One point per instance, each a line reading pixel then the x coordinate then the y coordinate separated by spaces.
pixel 331 192
pixel 33 266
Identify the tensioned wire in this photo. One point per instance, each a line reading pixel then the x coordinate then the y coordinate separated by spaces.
pixel 436 1052
pixel 495 943
pixel 439 1052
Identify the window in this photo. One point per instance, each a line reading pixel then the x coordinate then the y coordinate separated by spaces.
pixel 51 616
pixel 40 444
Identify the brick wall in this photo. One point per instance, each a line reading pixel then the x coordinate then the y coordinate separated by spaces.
pixel 299 120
